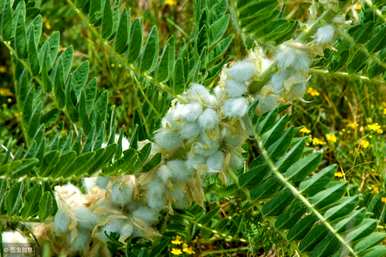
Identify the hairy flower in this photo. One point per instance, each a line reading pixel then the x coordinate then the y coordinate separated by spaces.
pixel 235 107
pixel 208 119
pixel 242 71
pixel 324 34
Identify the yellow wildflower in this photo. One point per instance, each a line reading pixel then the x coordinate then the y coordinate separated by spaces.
pixel 177 240
pixel 176 251
pixel 375 127
pixel 317 141
pixel 384 111
pixel 187 249
pixel 3 69
pixel 331 138
pixel 312 91
pixel 171 2
pixel 357 6
pixel 5 92
pixel 339 174
pixel 383 199
pixel 364 143
pixel 305 130
pixel 352 125
pixel 375 189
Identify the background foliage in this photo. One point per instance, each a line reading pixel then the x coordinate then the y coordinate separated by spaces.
pixel 75 74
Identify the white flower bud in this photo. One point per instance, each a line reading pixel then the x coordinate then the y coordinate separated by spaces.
pixel 242 71
pixel 215 162
pixel 201 94
pixel 208 119
pixel 235 88
pixel 188 112
pixel 167 139
pixel 126 231
pixel 146 214
pixel 189 130
pixel 195 161
pixel 277 81
pixel 164 173
pixel 85 217
pixel 121 193
pixel 235 107
pixel 290 57
pixel 324 34
pixel 155 194
pixel 179 170
pixel 61 222
pixel 205 146
pixel 219 92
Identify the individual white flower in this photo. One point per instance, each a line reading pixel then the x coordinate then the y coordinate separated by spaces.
pixel 188 112
pixel 215 162
pixel 195 161
pixel 126 231
pixel 200 93
pixel 242 71
pixel 219 92
pixel 291 57
pixel 167 139
pixel 189 130
pixel 297 90
pixel 69 196
pixel 85 217
pixel 277 81
pixel 205 146
pixel 146 214
pixel 179 170
pixel 90 182
pixel 235 88
pixel 324 34
pixel 164 173
pixel 235 107
pixel 155 194
pixel 61 222
pixel 208 119
pixel 121 193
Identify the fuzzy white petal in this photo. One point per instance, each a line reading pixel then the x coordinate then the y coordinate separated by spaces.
pixel 167 139
pixel 85 218
pixel 146 214
pixel 189 130
pixel 61 222
pixel 235 88
pixel 179 170
pixel 235 107
pixel 324 34
pixel 242 71
pixel 208 119
pixel 215 162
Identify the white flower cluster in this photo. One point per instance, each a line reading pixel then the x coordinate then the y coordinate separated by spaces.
pixel 201 134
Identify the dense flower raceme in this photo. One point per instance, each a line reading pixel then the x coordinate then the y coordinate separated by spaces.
pixel 201 134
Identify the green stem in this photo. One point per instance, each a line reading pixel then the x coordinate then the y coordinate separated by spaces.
pixel 297 194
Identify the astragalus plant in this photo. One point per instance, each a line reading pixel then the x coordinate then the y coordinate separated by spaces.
pixel 82 185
